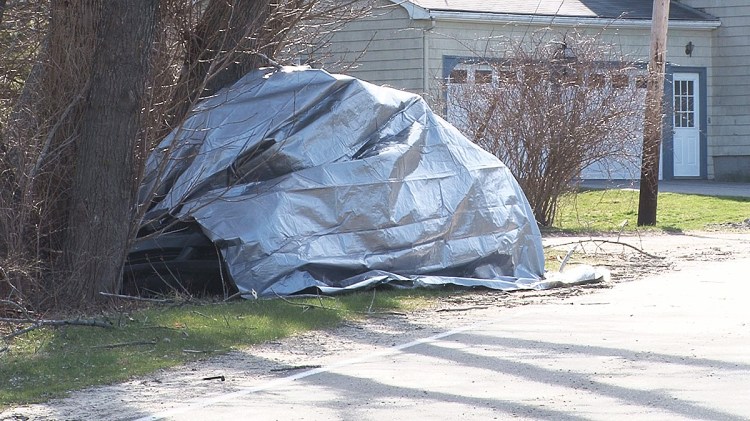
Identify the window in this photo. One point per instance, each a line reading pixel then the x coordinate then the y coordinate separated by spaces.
pixel 596 80
pixel 684 103
pixel 483 76
pixel 505 76
pixel 641 82
pixel 620 81
pixel 458 76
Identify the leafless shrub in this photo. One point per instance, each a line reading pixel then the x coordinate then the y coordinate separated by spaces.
pixel 200 47
pixel 550 107
pixel 23 28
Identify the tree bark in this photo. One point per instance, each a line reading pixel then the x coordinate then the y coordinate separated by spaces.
pixel 53 114
pixel 102 191
pixel 2 9
pixel 40 132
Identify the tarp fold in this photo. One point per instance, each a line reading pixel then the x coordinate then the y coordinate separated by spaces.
pixel 311 181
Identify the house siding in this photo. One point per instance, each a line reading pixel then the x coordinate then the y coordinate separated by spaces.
pixel 459 39
pixel 392 49
pixel 385 48
pixel 729 124
pixel 463 38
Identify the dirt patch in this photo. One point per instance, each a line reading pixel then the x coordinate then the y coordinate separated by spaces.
pixel 628 258
pixel 743 226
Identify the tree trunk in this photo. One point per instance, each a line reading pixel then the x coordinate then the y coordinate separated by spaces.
pixel 51 121
pixel 39 135
pixel 102 191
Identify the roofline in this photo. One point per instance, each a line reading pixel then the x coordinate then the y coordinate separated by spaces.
pixel 452 16
pixel 419 13
pixel 415 12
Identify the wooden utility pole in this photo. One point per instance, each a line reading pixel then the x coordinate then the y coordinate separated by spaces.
pixel 653 121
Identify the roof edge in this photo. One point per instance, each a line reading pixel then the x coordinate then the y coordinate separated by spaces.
pixel 415 12
pixel 561 20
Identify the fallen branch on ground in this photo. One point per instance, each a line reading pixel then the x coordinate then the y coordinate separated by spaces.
pixel 382 313
pixel 122 344
pixel 322 307
pixel 235 295
pixel 134 298
pixel 306 305
pixel 296 367
pixel 599 242
pixel 18 306
pixel 462 309
pixel 36 324
pixel 203 315
pixel 255 296
pixel 630 265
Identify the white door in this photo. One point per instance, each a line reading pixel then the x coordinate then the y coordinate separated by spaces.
pixel 685 102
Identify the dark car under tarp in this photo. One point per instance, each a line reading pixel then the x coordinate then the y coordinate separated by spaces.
pixel 307 181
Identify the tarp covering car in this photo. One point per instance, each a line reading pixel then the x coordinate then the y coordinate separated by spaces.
pixel 309 181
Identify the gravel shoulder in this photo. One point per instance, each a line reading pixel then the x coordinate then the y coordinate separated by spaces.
pixel 628 258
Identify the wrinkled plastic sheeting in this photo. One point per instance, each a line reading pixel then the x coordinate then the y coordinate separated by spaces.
pixel 309 181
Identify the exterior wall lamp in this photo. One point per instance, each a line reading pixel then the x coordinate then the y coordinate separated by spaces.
pixel 689 48
pixel 565 53
pixel 569 54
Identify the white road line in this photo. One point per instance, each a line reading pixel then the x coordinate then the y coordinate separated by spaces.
pixel 204 402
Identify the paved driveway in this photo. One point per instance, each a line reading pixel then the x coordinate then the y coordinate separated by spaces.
pixel 676 346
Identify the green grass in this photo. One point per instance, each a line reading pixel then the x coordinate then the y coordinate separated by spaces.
pixel 605 210
pixel 49 362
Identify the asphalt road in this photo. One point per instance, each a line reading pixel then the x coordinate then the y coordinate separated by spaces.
pixel 674 346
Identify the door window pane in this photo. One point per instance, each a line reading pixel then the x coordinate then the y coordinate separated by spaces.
pixel 684 103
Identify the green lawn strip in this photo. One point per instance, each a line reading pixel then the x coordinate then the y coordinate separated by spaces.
pixel 49 362
pixel 605 211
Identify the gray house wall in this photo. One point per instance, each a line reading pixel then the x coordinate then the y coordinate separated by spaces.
pixel 485 39
pixel 729 95
pixel 385 48
pixel 409 52
pixel 455 39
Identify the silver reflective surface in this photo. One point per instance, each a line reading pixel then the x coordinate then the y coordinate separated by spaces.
pixel 307 180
